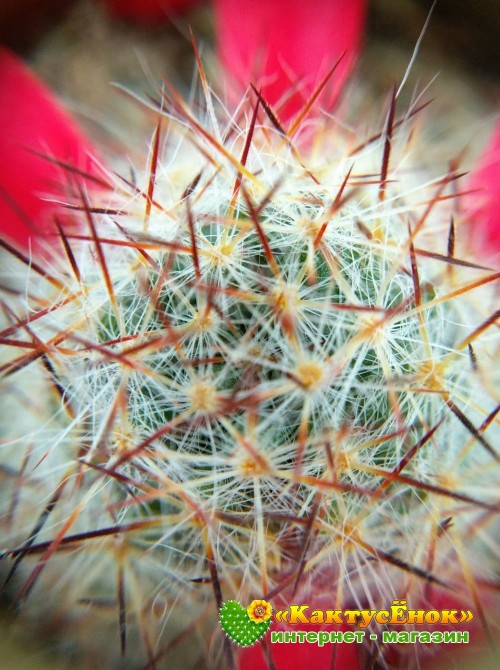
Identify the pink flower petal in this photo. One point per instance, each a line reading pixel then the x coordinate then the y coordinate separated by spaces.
pixel 32 121
pixel 484 206
pixel 287 47
pixel 304 656
pixel 149 11
pixel 300 656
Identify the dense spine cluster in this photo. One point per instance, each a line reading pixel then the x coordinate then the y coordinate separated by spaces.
pixel 254 369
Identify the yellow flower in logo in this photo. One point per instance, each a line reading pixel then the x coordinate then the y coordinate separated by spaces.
pixel 259 611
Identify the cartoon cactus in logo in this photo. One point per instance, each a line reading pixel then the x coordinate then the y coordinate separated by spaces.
pixel 252 369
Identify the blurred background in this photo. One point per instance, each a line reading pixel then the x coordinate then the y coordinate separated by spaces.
pixel 78 46
pixel 462 30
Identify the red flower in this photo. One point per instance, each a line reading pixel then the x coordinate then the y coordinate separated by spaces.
pixel 33 129
pixel 484 205
pixel 287 47
pixel 299 47
pixel 302 656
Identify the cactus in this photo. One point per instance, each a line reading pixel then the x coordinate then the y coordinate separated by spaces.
pixel 255 368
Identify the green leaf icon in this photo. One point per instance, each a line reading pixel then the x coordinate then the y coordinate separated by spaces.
pixel 238 625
